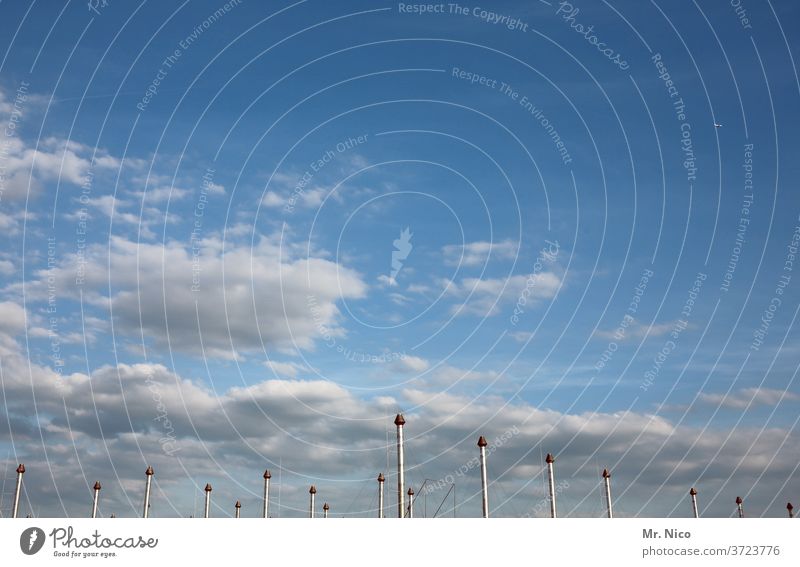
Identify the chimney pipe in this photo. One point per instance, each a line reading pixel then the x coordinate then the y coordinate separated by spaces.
pixel 739 506
pixel 607 480
pixel 18 490
pixel 381 479
pixel 97 488
pixel 149 475
pixel 484 482
pixel 325 509
pixel 410 502
pixel 551 478
pixel 399 421
pixel 313 492
pixel 790 509
pixel 267 476
pixel 207 513
pixel 238 507
pixel 693 494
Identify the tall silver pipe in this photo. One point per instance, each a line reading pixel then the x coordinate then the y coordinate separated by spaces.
pixel 238 507
pixel 325 509
pixel 267 476
pixel 484 481
pixel 313 492
pixel 381 479
pixel 17 490
pixel 607 480
pixel 552 480
pixel 693 494
pixel 149 475
pixel 739 506
pixel 207 513
pixel 790 509
pixel 96 498
pixel 399 421
pixel 410 502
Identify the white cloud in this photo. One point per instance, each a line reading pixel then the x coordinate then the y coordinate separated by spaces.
pixel 484 297
pixel 749 397
pixel 322 432
pixel 636 330
pixel 263 301
pixel 478 253
pixel 287 369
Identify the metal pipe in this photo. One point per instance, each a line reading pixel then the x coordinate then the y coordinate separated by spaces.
pixel 399 421
pixel 267 476
pixel 381 479
pixel 313 492
pixel 325 509
pixel 693 494
pixel 607 479
pixel 238 507
pixel 484 482
pixel 149 475
pixel 17 490
pixel 207 513
pixel 410 502
pixel 739 506
pixel 551 478
pixel 95 499
pixel 790 509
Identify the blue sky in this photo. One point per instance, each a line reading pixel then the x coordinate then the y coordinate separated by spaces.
pixel 200 212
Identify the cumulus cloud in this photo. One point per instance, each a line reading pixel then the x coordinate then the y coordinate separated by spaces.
pixel 478 253
pixel 130 415
pixel 485 297
pixel 749 397
pixel 199 300
pixel 27 167
pixel 636 330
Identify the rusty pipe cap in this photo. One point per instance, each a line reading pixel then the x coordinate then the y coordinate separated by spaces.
pixel 399 419
pixel 238 504
pixel 482 441
pixel 207 488
pixel 549 459
pixel 149 471
pixel 326 507
pixel 267 474
pixel 411 492
pixel 97 485
pixel 20 469
pixel 606 474
pixel 692 491
pixel 738 499
pixel 789 506
pixel 312 490
pixel 381 477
